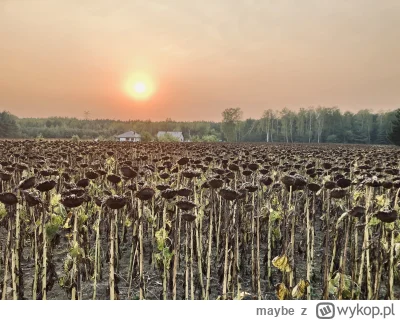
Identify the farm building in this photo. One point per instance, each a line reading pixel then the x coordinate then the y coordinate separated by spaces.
pixel 175 134
pixel 129 136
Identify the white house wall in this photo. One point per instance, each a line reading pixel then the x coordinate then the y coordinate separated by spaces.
pixel 129 139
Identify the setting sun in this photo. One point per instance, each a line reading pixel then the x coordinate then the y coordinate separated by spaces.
pixel 140 87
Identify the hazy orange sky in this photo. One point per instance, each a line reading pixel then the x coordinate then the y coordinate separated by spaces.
pixel 61 57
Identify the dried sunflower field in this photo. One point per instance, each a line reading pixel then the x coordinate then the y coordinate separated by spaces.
pixel 116 220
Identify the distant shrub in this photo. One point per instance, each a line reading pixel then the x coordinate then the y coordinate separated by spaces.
pixel 75 138
pixel 332 138
pixel 206 138
pixel 168 138
pixel 146 137
pixel 210 138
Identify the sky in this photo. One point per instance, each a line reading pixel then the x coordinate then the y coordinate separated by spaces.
pixel 198 57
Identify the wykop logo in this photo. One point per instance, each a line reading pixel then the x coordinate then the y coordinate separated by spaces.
pixel 325 310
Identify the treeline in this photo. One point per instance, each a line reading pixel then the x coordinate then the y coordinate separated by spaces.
pixel 65 128
pixel 311 125
pixel 308 125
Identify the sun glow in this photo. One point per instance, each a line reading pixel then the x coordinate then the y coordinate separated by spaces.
pixel 140 87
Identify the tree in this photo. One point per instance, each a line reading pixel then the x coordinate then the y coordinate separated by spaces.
pixel 333 124
pixel 360 136
pixel 332 138
pixel 146 136
pixel 320 120
pixel 209 138
pixel 230 120
pixel 168 138
pixel 287 123
pixel 301 125
pixel 381 137
pixel 267 121
pixel 394 136
pixel 348 136
pixel 8 125
pixel 206 138
pixel 75 138
pixel 284 117
pixel 364 117
pixel 310 118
